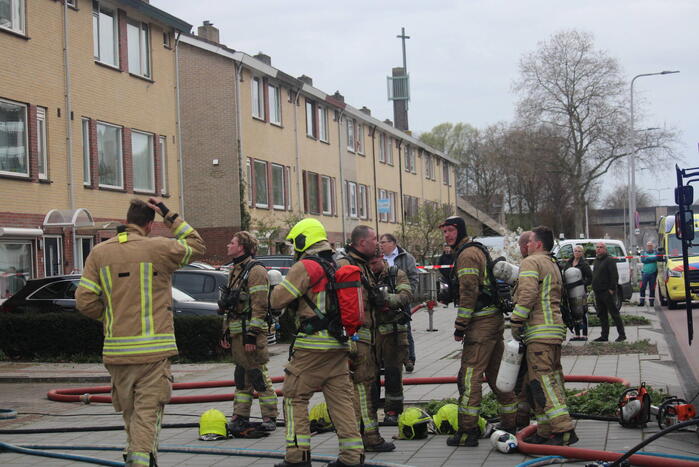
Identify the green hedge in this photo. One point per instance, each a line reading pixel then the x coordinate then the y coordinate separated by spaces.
pixel 72 336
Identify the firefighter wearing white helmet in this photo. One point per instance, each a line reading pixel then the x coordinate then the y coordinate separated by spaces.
pixel 479 325
pixel 536 321
pixel 318 359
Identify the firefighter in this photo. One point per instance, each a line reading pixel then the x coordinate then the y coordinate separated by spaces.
pixel 127 284
pixel 536 321
pixel 392 332
pixel 246 303
pixel 523 418
pixel 479 325
pixel 365 369
pixel 318 360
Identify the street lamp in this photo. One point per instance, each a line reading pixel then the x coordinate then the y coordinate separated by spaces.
pixel 632 163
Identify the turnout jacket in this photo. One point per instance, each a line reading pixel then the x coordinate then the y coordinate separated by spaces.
pixel 398 299
pixel 251 312
pixel 470 268
pixel 297 284
pixel 366 331
pixel 538 300
pixel 127 284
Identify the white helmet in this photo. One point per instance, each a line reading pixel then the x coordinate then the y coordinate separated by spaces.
pixel 503 441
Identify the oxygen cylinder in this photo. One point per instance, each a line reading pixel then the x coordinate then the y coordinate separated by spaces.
pixel 576 292
pixel 630 411
pixel 506 272
pixel 509 366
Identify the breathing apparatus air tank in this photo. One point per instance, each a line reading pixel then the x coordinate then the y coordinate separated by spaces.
pixel 576 292
pixel 509 366
pixel 275 277
pixel 506 272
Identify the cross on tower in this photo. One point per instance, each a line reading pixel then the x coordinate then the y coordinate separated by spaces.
pixel 403 37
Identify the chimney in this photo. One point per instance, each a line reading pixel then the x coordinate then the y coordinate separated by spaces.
pixel 266 59
pixel 208 32
pixel 366 110
pixel 388 122
pixel 400 106
pixel 339 97
pixel 306 79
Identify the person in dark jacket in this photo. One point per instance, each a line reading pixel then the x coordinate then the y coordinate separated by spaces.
pixel 446 259
pixel 578 261
pixel 604 283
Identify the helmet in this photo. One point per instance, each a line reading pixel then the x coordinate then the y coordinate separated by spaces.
pixel 305 233
pixel 320 418
pixel 459 224
pixel 413 423
pixel 446 420
pixel 503 441
pixel 212 425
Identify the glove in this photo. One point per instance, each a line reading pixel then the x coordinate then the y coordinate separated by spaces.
pixel 516 330
pixel 163 208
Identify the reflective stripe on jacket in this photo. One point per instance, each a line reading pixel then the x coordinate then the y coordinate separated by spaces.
pixel 254 309
pixel 471 269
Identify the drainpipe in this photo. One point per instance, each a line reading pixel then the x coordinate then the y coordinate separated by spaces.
pixel 342 176
pixel 376 189
pixel 238 133
pixel 400 180
pixel 299 172
pixel 179 122
pixel 69 127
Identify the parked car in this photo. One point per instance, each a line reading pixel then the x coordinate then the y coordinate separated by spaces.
pixel 563 251
pixel 199 265
pixel 282 263
pixel 201 284
pixel 57 294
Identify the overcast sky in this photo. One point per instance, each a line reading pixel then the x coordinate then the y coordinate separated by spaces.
pixel 463 55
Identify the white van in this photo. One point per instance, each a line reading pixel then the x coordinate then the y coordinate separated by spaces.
pixel 563 251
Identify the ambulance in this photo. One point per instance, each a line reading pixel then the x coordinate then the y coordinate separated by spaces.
pixel 670 277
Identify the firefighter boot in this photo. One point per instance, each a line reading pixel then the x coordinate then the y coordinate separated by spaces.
pixel 562 439
pixel 468 438
pixel 268 424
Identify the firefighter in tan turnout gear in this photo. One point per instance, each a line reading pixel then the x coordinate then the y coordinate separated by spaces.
pixel 365 370
pixel 536 321
pixel 318 359
pixel 246 304
pixel 392 332
pixel 479 325
pixel 127 285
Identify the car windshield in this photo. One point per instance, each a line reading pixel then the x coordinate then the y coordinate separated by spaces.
pixel 180 296
pixel 674 248
pixel 566 251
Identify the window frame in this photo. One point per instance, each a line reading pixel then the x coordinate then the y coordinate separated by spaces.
pixel 274 104
pixel 151 148
pixel 327 195
pixel 87 162
pixel 352 200
pixel 359 137
pixel 363 201
pixel 410 161
pixel 446 178
pixel 25 146
pixel 164 185
pixel 42 144
pixel 59 258
pixel 351 140
pixel 429 166
pixel 248 170
pixel 323 123
pixel 96 36
pixel 144 54
pixel 282 206
pixel 266 177
pixel 382 148
pixel 392 213
pixel 80 250
pixel 17 17
pixel 311 127
pixel 258 102
pixel 120 155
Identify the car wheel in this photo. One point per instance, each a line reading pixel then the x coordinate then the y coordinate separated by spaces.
pixel 673 305
pixel 661 297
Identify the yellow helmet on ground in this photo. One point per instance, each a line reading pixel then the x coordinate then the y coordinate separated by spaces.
pixel 413 423
pixel 446 420
pixel 306 233
pixel 212 425
pixel 320 418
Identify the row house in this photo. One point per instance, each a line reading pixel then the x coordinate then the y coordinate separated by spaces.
pixel 87 121
pixel 265 148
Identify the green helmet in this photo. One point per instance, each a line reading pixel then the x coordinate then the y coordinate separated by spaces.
pixel 446 420
pixel 413 423
pixel 320 418
pixel 306 233
pixel 212 425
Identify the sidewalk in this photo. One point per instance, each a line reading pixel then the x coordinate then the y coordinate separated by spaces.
pixel 435 351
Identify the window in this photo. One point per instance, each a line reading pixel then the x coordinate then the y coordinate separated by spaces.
pixel 13 138
pixel 352 199
pixel 41 142
pixel 313 193
pixel 53 254
pixel 16 261
pixel 323 124
pixel 105 35
pixel 109 155
pixel 167 40
pixel 258 98
pixel 360 138
pixel 163 165
pixel 72 3
pixel 310 119
pixel 275 105
pixel 261 194
pixel 445 174
pixel 58 290
pixel 350 135
pixel 392 212
pixel 388 149
pixel 87 179
pixel 429 166
pixel 138 40
pixel 12 15
pixel 410 208
pixel 363 202
pixel 143 161
pixel 327 195
pixel 382 147
pixel 409 159
pixel 278 187
pixel 84 246
pixel 248 168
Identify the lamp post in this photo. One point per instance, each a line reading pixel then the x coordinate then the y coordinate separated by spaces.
pixel 632 162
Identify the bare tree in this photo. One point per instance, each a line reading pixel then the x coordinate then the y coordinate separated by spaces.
pixel 421 236
pixel 619 198
pixel 578 91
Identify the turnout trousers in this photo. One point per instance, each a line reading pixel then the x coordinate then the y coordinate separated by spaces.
pixel 365 372
pixel 481 355
pixel 391 352
pixel 545 388
pixel 141 391
pixel 328 370
pixel 251 374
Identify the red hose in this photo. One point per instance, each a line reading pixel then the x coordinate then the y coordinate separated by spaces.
pixel 593 454
pixel 86 394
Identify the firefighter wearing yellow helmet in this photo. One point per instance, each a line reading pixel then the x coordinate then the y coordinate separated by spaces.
pixel 318 360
